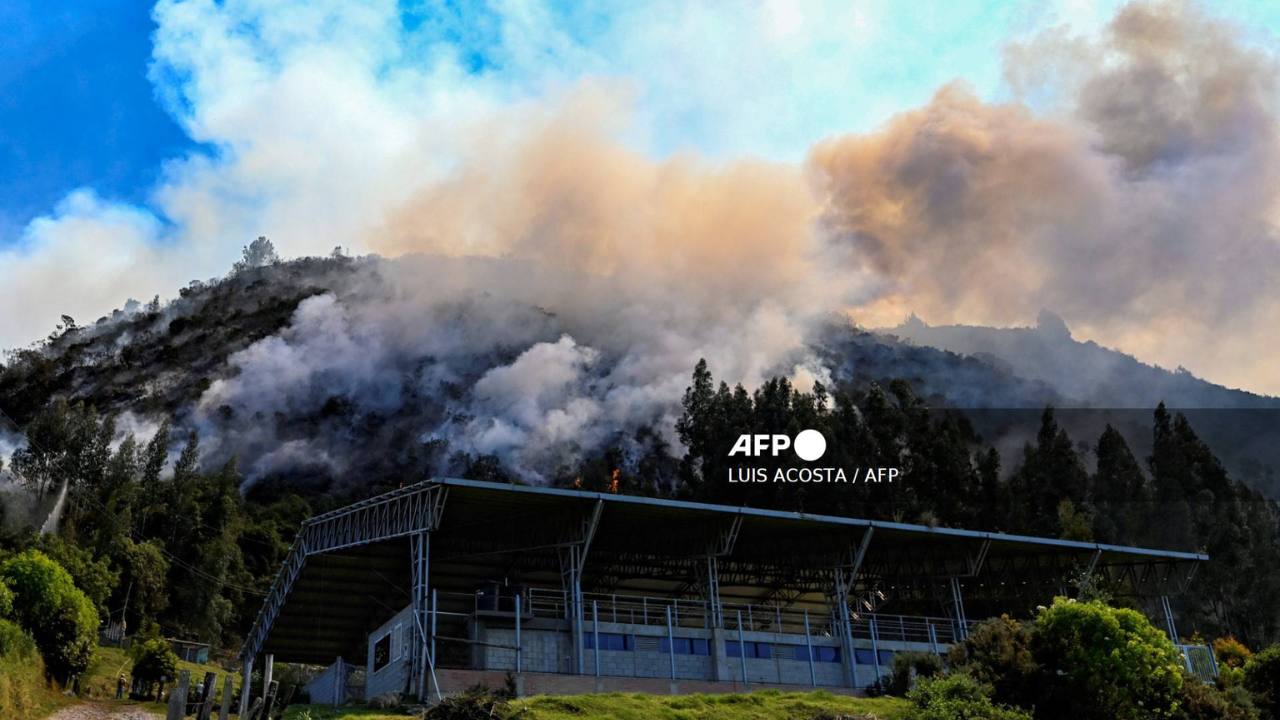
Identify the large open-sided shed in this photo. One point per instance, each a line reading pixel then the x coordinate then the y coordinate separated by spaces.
pixel 352 569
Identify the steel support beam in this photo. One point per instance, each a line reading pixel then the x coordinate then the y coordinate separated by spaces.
pixel 845 576
pixel 573 561
pixel 402 513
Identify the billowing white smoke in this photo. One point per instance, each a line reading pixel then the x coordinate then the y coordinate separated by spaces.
pixel 468 351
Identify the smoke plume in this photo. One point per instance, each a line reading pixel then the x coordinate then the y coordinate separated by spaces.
pixel 555 285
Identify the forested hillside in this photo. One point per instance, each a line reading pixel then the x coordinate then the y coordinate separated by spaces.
pixel 194 436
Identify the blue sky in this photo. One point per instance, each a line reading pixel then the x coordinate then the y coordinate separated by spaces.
pixel 77 109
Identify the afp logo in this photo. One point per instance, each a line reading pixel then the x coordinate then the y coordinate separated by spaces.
pixel 809 445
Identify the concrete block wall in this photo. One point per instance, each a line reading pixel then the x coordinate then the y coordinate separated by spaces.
pixel 453 681
pixel 323 689
pixel 546 651
pixel 394 677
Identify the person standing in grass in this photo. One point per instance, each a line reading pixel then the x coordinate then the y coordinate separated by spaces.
pixel 120 687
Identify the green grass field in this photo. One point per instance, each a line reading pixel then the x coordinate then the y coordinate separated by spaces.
pixel 99 681
pixel 762 705
pixel 25 694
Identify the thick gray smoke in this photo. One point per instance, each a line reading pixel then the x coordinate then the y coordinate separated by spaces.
pixel 455 349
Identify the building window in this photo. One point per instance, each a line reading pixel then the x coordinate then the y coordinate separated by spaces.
pixel 820 654
pixel 687 646
pixel 759 650
pixel 397 640
pixel 382 652
pixel 609 641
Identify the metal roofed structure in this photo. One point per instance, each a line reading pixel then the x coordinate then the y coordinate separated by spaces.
pixel 444 549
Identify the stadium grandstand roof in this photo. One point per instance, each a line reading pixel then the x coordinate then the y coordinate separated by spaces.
pixel 350 570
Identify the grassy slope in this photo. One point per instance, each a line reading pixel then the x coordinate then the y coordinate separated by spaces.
pixel 24 693
pixel 764 705
pixel 100 680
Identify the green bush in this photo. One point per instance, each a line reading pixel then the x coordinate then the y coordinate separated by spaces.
pixel 1104 663
pixel 1262 678
pixel 922 664
pixel 61 619
pixel 22 682
pixel 1230 652
pixel 6 600
pixel 1198 701
pixel 153 662
pixel 14 641
pixel 997 653
pixel 957 697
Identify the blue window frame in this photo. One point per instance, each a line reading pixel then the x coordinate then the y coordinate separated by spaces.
pixel 820 654
pixel 828 654
pixel 762 651
pixel 609 641
pixel 886 657
pixel 687 646
pixel 864 656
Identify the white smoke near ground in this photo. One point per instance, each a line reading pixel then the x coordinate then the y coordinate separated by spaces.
pixel 555 286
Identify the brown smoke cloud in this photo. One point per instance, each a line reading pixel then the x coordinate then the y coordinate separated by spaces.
pixel 1140 206
pixel 563 191
pixel 1142 210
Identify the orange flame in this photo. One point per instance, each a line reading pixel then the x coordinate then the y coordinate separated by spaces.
pixel 613 486
pixel 577 482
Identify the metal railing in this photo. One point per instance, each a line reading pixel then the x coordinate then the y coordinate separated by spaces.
pixel 696 613
pixel 1199 661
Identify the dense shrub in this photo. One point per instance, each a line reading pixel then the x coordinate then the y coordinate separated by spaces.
pixel 1198 701
pixel 477 702
pixel 957 697
pixel 1103 663
pixel 61 619
pixel 1230 652
pixel 6 600
pixel 907 665
pixel 997 653
pixel 22 683
pixel 1262 678
pixel 153 662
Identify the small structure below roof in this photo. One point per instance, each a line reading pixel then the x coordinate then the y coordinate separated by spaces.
pixel 190 651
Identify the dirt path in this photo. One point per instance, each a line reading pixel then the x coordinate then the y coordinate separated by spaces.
pixel 101 711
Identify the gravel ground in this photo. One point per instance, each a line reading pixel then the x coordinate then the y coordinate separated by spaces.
pixel 96 711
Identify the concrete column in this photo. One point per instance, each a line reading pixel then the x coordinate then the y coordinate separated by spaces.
pixel 719 659
pixel 808 641
pixel 227 681
pixel 178 697
pixel 268 671
pixel 246 680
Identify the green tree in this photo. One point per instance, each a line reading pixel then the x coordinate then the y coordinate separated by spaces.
pixel 58 615
pixel 259 253
pixel 1119 490
pixel 94 576
pixel 997 653
pixel 153 662
pixel 957 697
pixel 1103 663
pixel 1262 678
